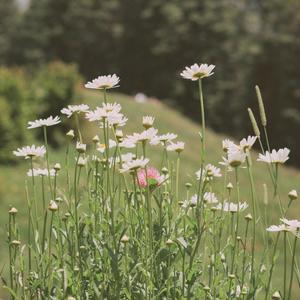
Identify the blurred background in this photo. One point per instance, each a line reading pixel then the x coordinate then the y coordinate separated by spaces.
pixel 48 46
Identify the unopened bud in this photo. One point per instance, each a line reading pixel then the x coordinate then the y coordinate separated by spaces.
pixel 96 139
pixel 70 134
pixel 57 167
pixel 248 217
pixel 53 206
pixel 16 243
pixel 293 195
pixel 125 239
pixel 81 148
pixel 229 186
pixel 188 185
pixel 276 295
pixel 13 211
pixel 169 242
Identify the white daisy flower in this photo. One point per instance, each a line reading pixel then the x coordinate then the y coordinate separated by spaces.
pixel 209 197
pixel 30 151
pixel 102 113
pixel 234 159
pixel 164 138
pixel 71 109
pixel 103 82
pixel 134 165
pixel 177 147
pixel 44 122
pixel 277 228
pixel 247 143
pixel 148 121
pixel 275 157
pixel 232 207
pixel 209 172
pixel 127 143
pixel 229 145
pixel 116 120
pixel 291 223
pixel 144 136
pixel 196 71
pixel 41 172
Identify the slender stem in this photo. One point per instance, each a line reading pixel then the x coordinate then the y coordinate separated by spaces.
pixel 202 122
pixel 292 266
pixel 284 272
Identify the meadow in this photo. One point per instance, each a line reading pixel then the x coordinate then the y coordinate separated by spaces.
pixel 210 282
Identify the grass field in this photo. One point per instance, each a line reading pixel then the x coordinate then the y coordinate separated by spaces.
pixel 12 178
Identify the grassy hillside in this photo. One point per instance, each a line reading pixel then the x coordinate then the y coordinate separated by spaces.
pixel 12 178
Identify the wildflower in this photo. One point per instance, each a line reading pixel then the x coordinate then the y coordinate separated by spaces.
pixel 108 110
pixel 277 157
pixel 40 172
pixel 276 228
pixel 248 217
pixel 127 143
pixel 196 71
pixel 53 206
pixel 234 159
pixel 148 121
pixel 71 109
pixel 164 138
pixel 116 120
pixel 81 148
pixel 144 136
pixel 119 134
pixel 103 82
pixel 292 223
pixel 293 195
pixel 177 147
pixel 125 239
pixel 209 197
pixel 30 151
pixel 247 143
pixel 228 145
pixel 13 211
pixel 44 122
pixel 209 172
pixel 150 176
pixel 134 165
pixel 232 207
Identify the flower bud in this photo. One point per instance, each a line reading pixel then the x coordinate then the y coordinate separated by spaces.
pixel 229 186
pixel 57 167
pixel 53 206
pixel 125 239
pixel 96 139
pixel 206 288
pixel 13 211
pixel 293 195
pixel 16 243
pixel 164 170
pixel 81 148
pixel 188 185
pixel 169 242
pixel 248 217
pixel 276 295
pixel 70 134
pixel 231 276
pixel 81 162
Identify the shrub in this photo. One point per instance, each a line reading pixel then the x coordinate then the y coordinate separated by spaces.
pixel 16 108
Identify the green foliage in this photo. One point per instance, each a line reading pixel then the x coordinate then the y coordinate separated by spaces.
pixel 15 107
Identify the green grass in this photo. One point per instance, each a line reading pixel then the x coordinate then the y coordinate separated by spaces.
pixel 12 178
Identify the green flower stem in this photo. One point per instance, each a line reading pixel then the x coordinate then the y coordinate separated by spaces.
pixel 253 199
pixel 284 270
pixel 78 128
pixel 244 254
pixel 47 158
pixel 272 266
pixel 293 265
pixel 203 141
